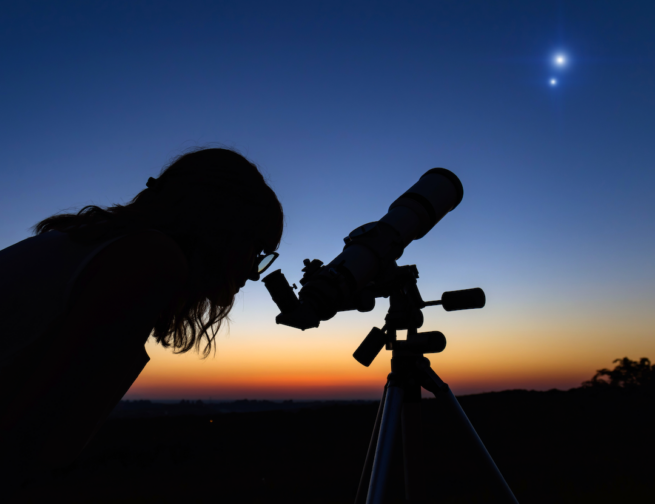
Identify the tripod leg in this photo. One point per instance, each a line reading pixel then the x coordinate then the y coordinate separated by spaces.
pixel 370 454
pixel 498 486
pixel 388 429
pixel 413 444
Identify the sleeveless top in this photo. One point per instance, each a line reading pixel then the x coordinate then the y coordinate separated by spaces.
pixel 37 276
pixel 36 279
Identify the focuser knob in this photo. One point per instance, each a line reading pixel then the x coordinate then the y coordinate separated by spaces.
pixel 310 268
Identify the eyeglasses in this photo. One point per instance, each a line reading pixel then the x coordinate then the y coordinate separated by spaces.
pixel 261 264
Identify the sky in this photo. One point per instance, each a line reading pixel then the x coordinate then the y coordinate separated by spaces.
pixel 343 106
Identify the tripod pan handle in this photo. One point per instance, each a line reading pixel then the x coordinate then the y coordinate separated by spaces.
pixel 463 299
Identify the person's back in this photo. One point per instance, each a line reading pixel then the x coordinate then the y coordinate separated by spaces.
pixel 38 271
pixel 97 295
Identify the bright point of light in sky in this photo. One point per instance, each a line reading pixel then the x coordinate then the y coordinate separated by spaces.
pixel 553 82
pixel 560 60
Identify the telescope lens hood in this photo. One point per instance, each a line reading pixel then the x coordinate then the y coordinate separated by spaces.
pixel 454 179
pixel 435 194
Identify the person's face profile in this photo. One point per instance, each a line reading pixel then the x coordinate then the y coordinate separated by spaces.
pixel 237 267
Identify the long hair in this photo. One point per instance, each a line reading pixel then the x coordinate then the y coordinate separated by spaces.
pixel 205 200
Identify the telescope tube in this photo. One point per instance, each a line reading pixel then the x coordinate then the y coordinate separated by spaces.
pixel 409 218
pixel 373 246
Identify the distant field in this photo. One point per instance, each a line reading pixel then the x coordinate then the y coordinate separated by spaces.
pixel 553 447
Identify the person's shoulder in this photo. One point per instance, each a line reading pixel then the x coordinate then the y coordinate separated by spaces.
pixel 139 257
pixel 143 263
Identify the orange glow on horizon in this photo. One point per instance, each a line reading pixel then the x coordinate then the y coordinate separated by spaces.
pixel 259 360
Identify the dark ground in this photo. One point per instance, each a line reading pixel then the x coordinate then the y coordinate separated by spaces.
pixel 579 446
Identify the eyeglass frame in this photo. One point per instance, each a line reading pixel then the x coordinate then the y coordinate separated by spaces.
pixel 255 272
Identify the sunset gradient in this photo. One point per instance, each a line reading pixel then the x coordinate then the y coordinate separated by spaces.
pixel 343 106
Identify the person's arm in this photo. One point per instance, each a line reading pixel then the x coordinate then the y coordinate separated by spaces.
pixel 98 351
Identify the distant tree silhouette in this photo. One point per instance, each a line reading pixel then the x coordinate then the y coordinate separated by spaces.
pixel 627 374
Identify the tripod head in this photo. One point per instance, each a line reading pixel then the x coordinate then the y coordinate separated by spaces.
pixel 405 305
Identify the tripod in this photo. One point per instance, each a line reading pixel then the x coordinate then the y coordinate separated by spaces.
pixel 400 407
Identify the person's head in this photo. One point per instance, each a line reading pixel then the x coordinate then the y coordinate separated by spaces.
pixel 222 213
pixel 220 209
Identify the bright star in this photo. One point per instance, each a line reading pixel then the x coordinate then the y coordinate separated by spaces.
pixel 553 82
pixel 560 60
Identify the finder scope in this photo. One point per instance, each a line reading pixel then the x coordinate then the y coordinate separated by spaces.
pixel 352 280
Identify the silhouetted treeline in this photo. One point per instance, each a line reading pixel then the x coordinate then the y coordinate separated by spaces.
pixel 627 374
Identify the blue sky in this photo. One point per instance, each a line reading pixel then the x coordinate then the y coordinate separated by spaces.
pixel 344 105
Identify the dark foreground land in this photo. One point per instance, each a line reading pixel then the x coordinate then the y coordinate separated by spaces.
pixel 579 446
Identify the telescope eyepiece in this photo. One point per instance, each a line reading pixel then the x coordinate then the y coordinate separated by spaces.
pixel 281 292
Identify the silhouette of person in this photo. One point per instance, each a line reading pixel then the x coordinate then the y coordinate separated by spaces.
pixel 81 297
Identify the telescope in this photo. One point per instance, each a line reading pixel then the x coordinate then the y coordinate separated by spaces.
pixel 366 268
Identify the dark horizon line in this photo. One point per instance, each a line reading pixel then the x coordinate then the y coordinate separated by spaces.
pixel 211 400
